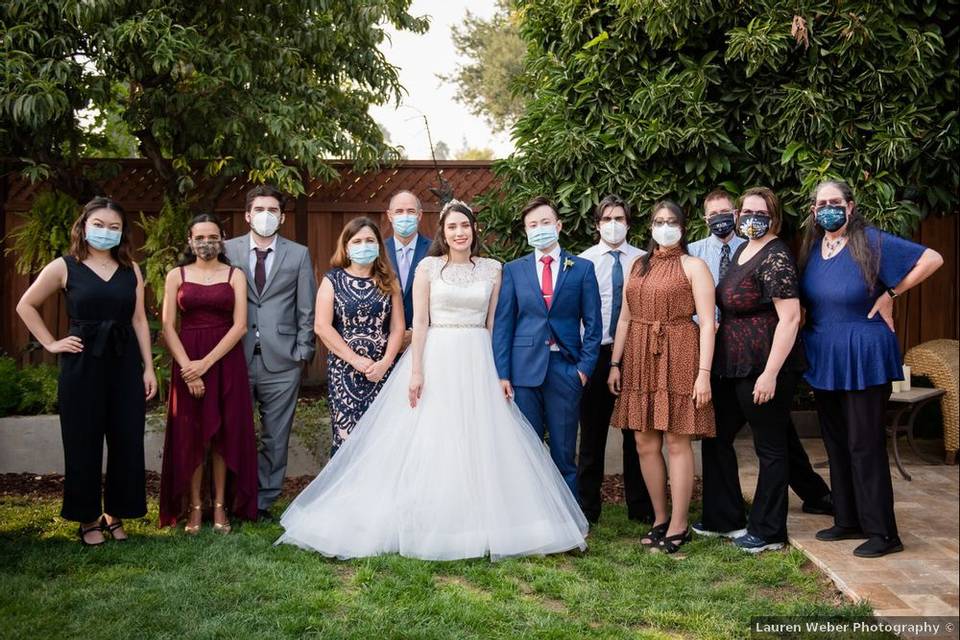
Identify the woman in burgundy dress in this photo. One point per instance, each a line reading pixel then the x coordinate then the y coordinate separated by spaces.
pixel 210 411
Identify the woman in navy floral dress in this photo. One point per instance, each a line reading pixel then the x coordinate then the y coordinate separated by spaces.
pixel 355 321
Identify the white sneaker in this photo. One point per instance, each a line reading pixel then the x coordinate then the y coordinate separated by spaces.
pixel 700 530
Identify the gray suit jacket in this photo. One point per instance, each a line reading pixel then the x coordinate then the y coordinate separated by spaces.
pixel 283 311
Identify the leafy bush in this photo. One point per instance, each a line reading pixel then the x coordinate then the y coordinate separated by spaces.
pixel 46 233
pixel 674 98
pixel 27 391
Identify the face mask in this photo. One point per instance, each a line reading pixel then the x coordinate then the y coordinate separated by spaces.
pixel 542 237
pixel 613 232
pixel 666 236
pixel 831 217
pixel 103 239
pixel 754 226
pixel 721 225
pixel 265 223
pixel 363 253
pixel 405 225
pixel 207 249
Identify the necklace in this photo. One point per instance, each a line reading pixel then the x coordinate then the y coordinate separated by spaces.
pixel 833 246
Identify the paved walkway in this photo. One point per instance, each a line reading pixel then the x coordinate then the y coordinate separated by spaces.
pixel 922 580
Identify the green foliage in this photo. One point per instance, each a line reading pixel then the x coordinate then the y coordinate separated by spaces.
pixel 45 234
pixel 243 88
pixel 165 239
pixel 489 83
pixel 27 391
pixel 670 98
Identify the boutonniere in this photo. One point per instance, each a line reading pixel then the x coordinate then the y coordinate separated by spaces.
pixel 567 263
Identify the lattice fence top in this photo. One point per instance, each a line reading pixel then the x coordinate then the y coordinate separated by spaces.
pixel 135 184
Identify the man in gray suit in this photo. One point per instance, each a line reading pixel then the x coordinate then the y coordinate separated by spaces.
pixel 280 339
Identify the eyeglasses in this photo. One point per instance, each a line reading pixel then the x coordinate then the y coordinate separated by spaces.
pixel 748 212
pixel 666 223
pixel 833 202
pixel 724 212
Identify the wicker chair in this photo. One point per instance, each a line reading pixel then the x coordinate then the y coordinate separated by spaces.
pixel 939 361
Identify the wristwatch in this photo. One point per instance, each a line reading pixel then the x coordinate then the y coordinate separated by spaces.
pixel 890 292
pixel 614 365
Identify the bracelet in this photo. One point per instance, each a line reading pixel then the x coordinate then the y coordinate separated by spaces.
pixel 702 369
pixel 614 365
pixel 893 294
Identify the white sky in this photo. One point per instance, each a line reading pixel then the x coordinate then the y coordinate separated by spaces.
pixel 420 59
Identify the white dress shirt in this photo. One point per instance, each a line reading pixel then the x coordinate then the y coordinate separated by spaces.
pixel 268 261
pixel 405 257
pixel 599 255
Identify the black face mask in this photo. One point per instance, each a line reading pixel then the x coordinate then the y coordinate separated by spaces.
pixel 721 225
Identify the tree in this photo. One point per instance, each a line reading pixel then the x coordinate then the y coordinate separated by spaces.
pixel 490 83
pixel 673 98
pixel 441 150
pixel 210 91
pixel 466 152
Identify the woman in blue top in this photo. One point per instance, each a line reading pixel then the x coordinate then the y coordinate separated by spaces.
pixel 851 273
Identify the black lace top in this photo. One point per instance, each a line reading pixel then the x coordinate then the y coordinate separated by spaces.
pixel 748 318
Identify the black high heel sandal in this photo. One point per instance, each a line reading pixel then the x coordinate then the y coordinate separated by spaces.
pixel 110 528
pixel 672 544
pixel 655 535
pixel 82 532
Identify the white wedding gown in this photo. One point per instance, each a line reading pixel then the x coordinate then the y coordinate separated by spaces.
pixel 462 475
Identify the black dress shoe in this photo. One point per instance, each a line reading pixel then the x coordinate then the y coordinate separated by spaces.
pixel 835 533
pixel 878 546
pixel 265 516
pixel 820 507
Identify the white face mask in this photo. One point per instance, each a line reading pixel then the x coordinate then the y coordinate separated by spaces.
pixel 666 236
pixel 265 223
pixel 613 232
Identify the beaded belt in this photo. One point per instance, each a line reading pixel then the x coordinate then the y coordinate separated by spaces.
pixel 457 325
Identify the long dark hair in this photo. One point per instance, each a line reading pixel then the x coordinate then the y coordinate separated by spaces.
pixel 866 256
pixel 79 249
pixel 188 256
pixel 440 246
pixel 382 275
pixel 641 266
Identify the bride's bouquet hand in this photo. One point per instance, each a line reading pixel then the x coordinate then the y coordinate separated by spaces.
pixel 416 388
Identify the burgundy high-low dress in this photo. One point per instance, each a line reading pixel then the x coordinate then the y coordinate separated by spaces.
pixel 221 421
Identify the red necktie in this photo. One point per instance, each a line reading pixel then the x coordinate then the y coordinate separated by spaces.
pixel 546 284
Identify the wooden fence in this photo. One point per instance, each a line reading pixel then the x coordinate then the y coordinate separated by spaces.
pixel 316 218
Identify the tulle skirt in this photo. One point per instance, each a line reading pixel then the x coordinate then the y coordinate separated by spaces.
pixel 462 475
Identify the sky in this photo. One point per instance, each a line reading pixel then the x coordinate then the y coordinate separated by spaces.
pixel 421 58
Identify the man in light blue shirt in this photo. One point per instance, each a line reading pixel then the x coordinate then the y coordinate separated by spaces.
pixel 720 471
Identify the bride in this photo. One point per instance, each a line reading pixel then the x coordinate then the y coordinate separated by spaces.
pixel 441 467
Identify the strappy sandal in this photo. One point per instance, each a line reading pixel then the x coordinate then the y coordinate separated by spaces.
pixel 112 528
pixel 221 528
pixel 192 529
pixel 655 535
pixel 672 544
pixel 83 531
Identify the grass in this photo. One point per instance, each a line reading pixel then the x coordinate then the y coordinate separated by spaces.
pixel 164 584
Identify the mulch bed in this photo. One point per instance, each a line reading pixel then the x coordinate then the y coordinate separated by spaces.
pixel 51 486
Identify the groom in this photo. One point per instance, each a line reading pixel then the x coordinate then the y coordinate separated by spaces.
pixel 542 361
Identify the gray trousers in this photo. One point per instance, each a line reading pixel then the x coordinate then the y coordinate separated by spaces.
pixel 275 396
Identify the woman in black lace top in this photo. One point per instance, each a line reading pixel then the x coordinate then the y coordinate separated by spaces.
pixel 756 367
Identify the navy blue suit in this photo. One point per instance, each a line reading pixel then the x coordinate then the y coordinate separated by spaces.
pixel 423 244
pixel 546 383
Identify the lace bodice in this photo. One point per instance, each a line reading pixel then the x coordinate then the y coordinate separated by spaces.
pixel 459 293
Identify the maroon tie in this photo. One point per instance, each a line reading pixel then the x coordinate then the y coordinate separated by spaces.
pixel 260 273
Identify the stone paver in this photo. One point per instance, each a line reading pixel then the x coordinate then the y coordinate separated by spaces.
pixel 922 580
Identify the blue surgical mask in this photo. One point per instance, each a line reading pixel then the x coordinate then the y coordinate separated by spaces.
pixel 405 225
pixel 831 217
pixel 363 253
pixel 102 239
pixel 543 236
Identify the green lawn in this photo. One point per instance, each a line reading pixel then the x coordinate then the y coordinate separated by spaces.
pixel 164 584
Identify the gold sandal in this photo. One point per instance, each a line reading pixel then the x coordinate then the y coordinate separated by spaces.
pixel 221 528
pixel 193 529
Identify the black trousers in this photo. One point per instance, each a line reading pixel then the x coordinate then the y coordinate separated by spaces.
pixel 852 426
pixel 102 398
pixel 596 408
pixel 771 427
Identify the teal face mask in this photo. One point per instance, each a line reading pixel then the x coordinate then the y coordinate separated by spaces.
pixel 543 236
pixel 363 253
pixel 405 225
pixel 102 239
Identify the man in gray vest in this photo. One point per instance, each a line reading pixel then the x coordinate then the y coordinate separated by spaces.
pixel 280 339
